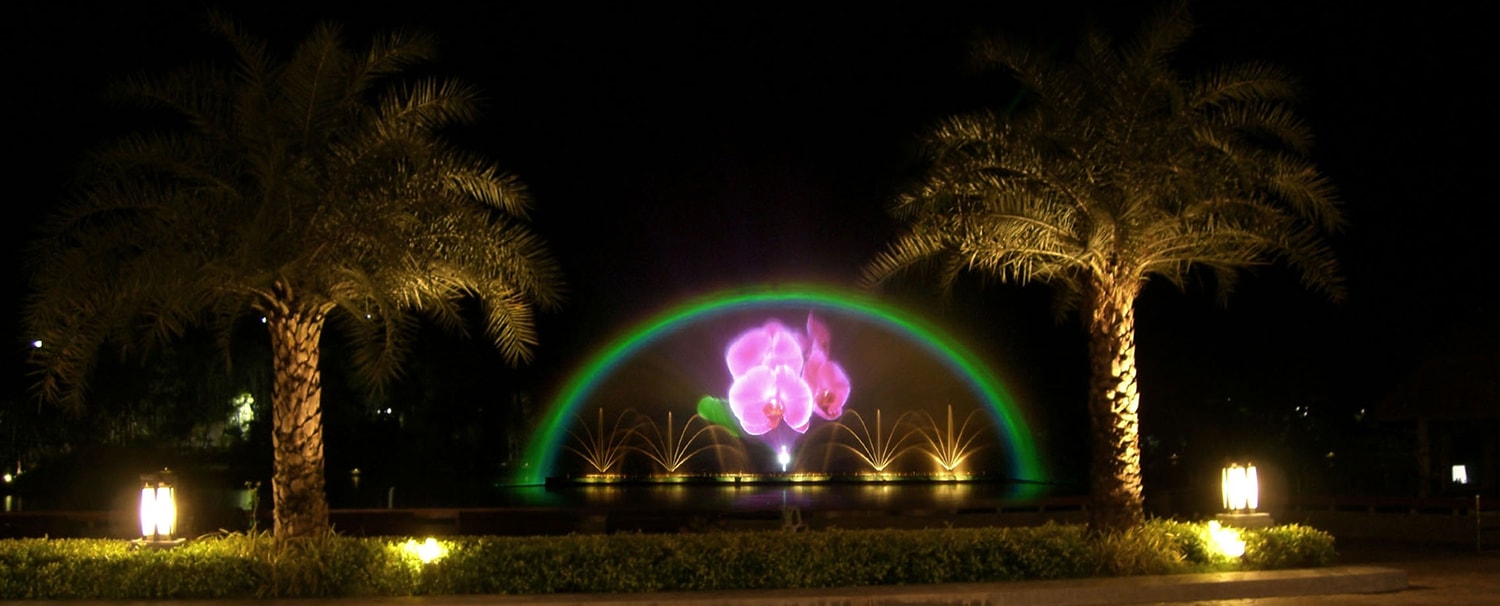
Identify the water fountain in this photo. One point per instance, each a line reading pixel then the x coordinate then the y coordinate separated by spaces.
pixel 946 447
pixel 789 390
pixel 600 447
pixel 672 449
pixel 877 449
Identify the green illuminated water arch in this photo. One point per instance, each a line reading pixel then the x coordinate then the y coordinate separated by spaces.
pixel 547 440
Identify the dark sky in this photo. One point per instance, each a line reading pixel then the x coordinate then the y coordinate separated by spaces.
pixel 674 149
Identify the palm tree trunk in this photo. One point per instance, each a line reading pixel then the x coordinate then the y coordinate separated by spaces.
pixel 1115 501
pixel 300 505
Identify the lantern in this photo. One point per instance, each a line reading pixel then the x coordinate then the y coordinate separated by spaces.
pixel 1241 488
pixel 158 510
pixel 1240 485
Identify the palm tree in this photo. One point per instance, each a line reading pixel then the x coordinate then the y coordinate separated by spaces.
pixel 303 191
pixel 1117 170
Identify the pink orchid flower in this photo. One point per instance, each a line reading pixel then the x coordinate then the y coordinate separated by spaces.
pixel 828 384
pixel 772 345
pixel 764 397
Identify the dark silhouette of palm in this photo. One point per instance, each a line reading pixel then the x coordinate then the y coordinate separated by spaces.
pixel 1115 170
pixel 305 191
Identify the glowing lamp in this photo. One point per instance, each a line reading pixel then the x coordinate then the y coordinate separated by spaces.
pixel 158 510
pixel 426 551
pixel 1460 474
pixel 1225 540
pixel 1241 488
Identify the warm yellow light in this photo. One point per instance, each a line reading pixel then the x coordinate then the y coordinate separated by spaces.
pixel 426 551
pixel 1226 540
pixel 158 508
pixel 148 511
pixel 1241 488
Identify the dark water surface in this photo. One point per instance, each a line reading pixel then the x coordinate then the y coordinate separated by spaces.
pixel 728 495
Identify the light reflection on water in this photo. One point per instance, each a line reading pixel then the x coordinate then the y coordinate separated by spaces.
pixel 742 497
pixel 684 496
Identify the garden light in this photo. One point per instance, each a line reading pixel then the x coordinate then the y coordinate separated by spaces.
pixel 1226 540
pixel 1240 485
pixel 426 551
pixel 158 510
pixel 1241 488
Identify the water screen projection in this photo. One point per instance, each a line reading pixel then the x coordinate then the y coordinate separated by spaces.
pixel 779 381
pixel 782 378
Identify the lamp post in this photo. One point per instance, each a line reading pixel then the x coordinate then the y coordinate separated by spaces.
pixel 158 510
pixel 1240 486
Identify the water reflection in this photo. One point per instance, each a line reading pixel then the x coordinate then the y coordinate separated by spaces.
pixel 737 496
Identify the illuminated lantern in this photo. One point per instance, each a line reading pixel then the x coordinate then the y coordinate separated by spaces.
pixel 1460 474
pixel 158 510
pixel 1241 488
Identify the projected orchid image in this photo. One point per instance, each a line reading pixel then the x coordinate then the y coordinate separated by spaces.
pixel 784 377
pixel 760 386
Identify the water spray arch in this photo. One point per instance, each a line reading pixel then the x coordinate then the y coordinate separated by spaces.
pixel 548 439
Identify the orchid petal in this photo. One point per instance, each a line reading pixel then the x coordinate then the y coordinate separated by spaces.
pixel 797 397
pixel 763 397
pixel 817 333
pixel 829 386
pixel 771 345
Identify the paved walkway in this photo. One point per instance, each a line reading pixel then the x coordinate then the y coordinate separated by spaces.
pixel 1436 575
pixel 1371 573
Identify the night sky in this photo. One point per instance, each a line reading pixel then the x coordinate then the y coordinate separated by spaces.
pixel 674 150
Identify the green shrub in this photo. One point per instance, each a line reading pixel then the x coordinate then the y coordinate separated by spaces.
pixel 1289 546
pixel 258 566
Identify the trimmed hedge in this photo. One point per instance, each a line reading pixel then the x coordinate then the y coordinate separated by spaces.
pixel 244 566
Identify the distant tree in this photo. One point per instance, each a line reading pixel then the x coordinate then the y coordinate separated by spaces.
pixel 1115 170
pixel 304 192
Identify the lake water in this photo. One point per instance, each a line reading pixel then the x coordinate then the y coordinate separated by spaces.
pixel 727 496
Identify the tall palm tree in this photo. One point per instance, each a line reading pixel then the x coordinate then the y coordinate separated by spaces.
pixel 1117 170
pixel 305 191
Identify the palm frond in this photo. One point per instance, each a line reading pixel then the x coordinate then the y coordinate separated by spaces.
pixel 1253 82
pixel 299 186
pixel 392 52
pixel 1305 190
pixel 1162 35
pixel 487 185
pixel 510 322
pixel 1118 165
pixel 909 250
pixel 253 59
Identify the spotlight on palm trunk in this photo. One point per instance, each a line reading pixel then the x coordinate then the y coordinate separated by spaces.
pixel 158 510
pixel 1240 486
